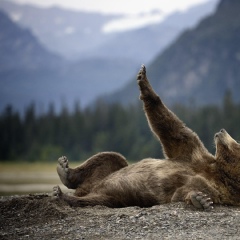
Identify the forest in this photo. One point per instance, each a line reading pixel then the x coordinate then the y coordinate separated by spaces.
pixel 84 132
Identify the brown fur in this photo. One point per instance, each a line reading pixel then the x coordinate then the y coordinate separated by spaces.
pixel 92 171
pixel 189 173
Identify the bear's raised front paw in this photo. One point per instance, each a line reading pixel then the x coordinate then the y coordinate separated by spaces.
pixel 142 73
pixel 146 91
pixel 57 192
pixel 201 201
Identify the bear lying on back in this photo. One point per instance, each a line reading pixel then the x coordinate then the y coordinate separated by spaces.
pixel 189 173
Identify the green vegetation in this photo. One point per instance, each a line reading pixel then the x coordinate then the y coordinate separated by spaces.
pixel 105 128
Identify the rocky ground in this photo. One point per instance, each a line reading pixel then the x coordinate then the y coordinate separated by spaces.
pixel 40 217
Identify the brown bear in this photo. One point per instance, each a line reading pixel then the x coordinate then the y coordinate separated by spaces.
pixel 189 173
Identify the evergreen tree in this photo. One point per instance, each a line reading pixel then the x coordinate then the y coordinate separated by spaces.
pixel 84 132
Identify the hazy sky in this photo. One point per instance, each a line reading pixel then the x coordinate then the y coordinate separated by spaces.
pixel 136 13
pixel 119 6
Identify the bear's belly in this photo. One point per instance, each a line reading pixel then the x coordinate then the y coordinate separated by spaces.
pixel 146 184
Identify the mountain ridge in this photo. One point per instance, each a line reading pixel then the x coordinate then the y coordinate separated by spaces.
pixel 78 35
pixel 200 66
pixel 52 79
pixel 30 73
pixel 19 42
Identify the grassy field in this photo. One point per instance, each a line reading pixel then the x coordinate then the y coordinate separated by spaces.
pixel 24 178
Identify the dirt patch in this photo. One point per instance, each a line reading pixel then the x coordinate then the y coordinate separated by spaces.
pixel 40 217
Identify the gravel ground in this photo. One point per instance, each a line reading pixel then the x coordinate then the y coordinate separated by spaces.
pixel 40 217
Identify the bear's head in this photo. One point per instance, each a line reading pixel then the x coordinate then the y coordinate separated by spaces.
pixel 227 149
pixel 228 162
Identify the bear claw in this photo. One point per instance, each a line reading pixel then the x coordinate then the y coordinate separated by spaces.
pixel 142 73
pixel 201 201
pixel 143 68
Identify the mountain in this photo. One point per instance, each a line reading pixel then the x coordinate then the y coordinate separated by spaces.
pixel 200 66
pixel 143 44
pixel 20 43
pixel 79 35
pixel 63 31
pixel 30 73
pixel 27 68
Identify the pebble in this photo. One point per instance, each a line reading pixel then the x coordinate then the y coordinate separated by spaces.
pixel 171 221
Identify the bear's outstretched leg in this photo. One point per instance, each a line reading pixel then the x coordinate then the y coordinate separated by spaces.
pixel 93 170
pixel 176 138
pixel 88 200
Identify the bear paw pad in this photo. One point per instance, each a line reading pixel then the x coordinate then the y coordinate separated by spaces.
pixel 201 201
pixel 57 192
pixel 63 163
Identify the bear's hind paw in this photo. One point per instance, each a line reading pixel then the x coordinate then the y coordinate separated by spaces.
pixel 63 171
pixel 57 192
pixel 63 163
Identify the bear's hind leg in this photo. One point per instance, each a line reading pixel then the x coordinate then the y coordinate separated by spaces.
pixel 91 172
pixel 88 200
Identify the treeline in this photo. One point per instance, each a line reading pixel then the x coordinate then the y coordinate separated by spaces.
pixel 84 132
